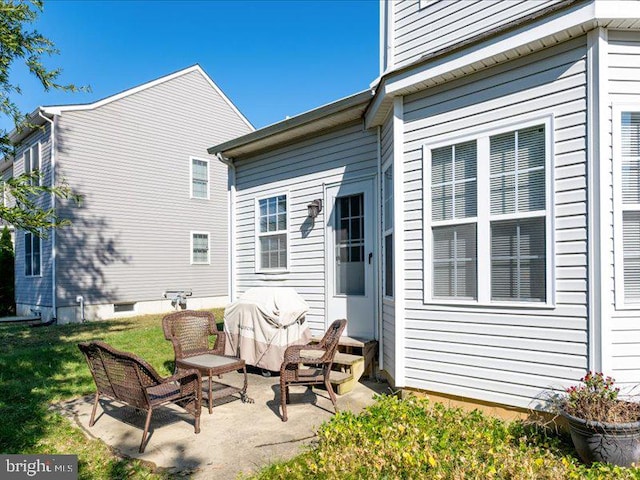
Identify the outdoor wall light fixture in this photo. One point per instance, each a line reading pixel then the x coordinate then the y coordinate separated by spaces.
pixel 314 208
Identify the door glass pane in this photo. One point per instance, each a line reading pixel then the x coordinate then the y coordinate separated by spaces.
pixel 349 245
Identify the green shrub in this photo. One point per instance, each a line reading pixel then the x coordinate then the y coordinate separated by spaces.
pixel 414 438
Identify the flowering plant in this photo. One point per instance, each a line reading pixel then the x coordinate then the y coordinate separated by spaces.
pixel 597 400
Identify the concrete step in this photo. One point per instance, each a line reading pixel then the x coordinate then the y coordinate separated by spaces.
pixel 346 341
pixel 342 382
pixel 347 369
pixel 368 348
pixel 339 358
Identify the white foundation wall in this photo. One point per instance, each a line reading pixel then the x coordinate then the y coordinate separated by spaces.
pixel 106 311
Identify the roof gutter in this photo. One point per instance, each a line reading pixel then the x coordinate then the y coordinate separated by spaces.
pixel 300 120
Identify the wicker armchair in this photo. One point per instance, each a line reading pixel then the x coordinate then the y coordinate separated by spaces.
pixel 189 331
pixel 318 370
pixel 127 378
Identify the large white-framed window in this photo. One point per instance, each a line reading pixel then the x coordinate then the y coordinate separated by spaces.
pixel 387 228
pixel 199 178
pixel 200 247
pixel 272 237
pixel 626 209
pixel 488 222
pixel 32 162
pixel 32 255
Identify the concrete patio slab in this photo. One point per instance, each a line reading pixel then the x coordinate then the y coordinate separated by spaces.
pixel 237 438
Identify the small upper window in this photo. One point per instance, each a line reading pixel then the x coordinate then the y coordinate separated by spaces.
pixel 199 178
pixel 200 248
pixel 32 162
pixel 272 233
pixel 32 255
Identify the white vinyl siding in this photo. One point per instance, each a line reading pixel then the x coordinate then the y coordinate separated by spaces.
pixel 510 229
pixel 199 178
pixel 422 27
pixel 272 233
pixel 32 255
pixel 303 168
pixel 200 247
pixel 126 255
pixel 35 289
pixel 388 304
pixel 504 352
pixel 621 325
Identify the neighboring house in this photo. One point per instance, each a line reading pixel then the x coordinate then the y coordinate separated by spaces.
pixel 153 217
pixel 481 208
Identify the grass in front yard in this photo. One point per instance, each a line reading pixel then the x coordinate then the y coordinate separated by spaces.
pixel 416 439
pixel 40 366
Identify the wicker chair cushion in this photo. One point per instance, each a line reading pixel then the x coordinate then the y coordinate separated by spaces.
pixel 208 361
pixel 165 392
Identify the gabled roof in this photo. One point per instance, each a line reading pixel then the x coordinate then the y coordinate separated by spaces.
pixel 50 110
pixel 58 109
pixel 322 118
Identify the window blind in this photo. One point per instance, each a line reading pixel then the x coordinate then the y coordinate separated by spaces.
pixel 454 261
pixel 517 166
pixel 518 264
pixel 630 151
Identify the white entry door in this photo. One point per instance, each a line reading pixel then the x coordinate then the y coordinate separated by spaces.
pixel 351 257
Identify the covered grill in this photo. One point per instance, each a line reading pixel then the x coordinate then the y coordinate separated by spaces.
pixel 263 322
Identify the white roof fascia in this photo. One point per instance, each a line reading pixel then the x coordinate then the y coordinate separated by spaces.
pixel 59 109
pixel 587 16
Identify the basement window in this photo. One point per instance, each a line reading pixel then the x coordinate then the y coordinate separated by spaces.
pixel 124 307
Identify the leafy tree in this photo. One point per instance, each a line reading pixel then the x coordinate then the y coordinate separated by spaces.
pixel 7 298
pixel 20 43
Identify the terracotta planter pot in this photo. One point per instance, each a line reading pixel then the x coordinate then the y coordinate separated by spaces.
pixel 614 443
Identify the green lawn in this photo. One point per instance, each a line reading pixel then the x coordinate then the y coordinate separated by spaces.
pixel 408 439
pixel 39 366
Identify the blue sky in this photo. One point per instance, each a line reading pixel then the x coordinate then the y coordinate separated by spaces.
pixel 272 59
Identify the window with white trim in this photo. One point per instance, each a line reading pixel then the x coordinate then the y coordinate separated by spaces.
pixel 31 158
pixel 32 255
pixel 518 215
pixel 486 232
pixel 200 248
pixel 271 234
pixel 199 178
pixel 453 217
pixel 387 221
pixel 629 165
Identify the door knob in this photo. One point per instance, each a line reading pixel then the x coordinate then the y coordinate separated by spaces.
pixel 370 257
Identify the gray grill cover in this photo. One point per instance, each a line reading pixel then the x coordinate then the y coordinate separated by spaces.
pixel 263 322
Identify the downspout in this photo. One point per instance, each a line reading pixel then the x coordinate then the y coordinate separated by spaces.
pixel 231 188
pixel 380 288
pixel 54 302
